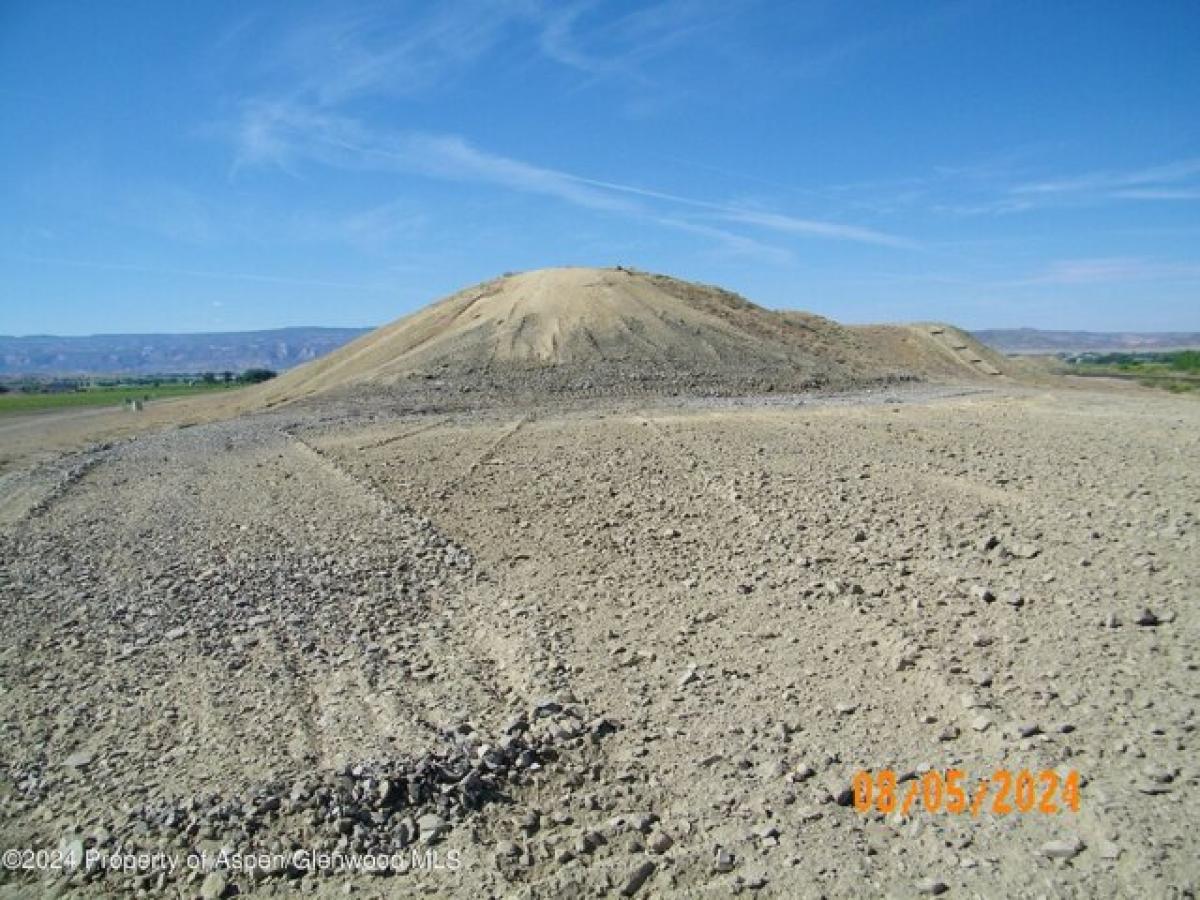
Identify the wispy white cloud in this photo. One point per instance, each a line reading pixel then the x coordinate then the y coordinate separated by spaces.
pixel 1002 185
pixel 992 207
pixel 286 134
pixel 974 187
pixel 731 242
pixel 1106 181
pixel 1158 194
pixel 452 157
pixel 337 57
pixel 1073 276
pixel 606 46
pixel 1177 180
pixel 999 196
pixel 340 59
pixel 772 221
pixel 817 228
pixel 1109 270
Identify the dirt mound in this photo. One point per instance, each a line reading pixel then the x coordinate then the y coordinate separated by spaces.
pixel 597 324
pixel 932 350
pixel 585 330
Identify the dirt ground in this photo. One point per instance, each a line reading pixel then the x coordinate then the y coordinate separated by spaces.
pixel 635 648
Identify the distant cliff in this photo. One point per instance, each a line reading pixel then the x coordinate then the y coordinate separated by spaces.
pixel 145 354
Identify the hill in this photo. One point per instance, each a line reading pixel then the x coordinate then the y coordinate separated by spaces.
pixel 151 354
pixel 604 330
pixel 932 350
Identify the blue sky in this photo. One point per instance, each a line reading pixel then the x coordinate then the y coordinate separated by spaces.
pixel 220 166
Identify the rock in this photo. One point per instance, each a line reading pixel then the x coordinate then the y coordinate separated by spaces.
pixel 1153 787
pixel 659 842
pixel 546 706
pixel 1028 729
pixel 213 887
pixel 531 822
pixel 601 728
pixel 687 677
pixel 723 861
pixel 990 542
pixel 932 887
pixel 637 878
pixel 515 724
pixel 981 723
pixel 643 822
pixel 79 760
pixel 71 852
pixel 845 709
pixel 507 850
pixel 1147 619
pixel 840 791
pixel 1158 774
pixel 757 881
pixel 1014 599
pixel 982 594
pixel 768 834
pixel 1067 848
pixel 431 827
pixel 1110 851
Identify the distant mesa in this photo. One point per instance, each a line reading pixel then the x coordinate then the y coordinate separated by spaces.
pixel 589 330
pixel 1038 341
pixel 160 354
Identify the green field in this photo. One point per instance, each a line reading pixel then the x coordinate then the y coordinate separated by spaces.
pixel 20 401
pixel 1177 371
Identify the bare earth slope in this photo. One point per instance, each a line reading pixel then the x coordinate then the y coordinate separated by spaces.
pixel 933 351
pixel 578 329
pixel 561 317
